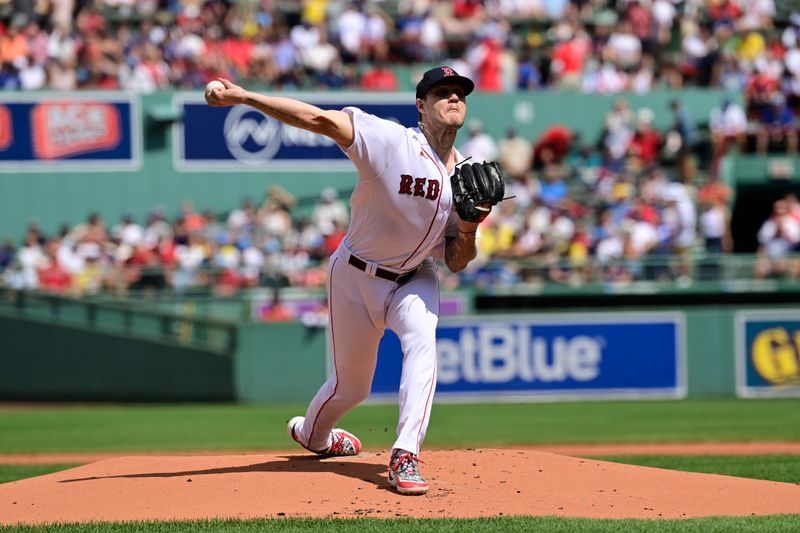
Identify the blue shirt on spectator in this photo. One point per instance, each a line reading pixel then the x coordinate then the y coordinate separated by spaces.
pixel 777 116
pixel 552 192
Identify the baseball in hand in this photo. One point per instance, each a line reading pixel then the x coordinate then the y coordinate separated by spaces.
pixel 213 84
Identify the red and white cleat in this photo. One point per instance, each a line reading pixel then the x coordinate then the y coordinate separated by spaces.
pixel 404 474
pixel 343 443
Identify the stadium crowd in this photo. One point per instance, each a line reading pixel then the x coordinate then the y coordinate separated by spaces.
pixel 591 45
pixel 628 207
pixel 627 210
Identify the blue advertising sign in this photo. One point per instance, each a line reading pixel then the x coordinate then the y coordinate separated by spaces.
pixel 75 132
pixel 768 353
pixel 616 355
pixel 242 138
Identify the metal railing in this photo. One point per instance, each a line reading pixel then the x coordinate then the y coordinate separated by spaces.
pixel 540 273
pixel 183 329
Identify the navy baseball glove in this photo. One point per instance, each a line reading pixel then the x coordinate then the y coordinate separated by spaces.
pixel 477 187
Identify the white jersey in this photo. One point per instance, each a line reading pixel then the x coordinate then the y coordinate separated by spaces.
pixel 402 205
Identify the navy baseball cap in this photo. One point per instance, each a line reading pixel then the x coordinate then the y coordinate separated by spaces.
pixel 439 74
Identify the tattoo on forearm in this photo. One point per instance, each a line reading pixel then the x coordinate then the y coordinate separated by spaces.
pixel 459 253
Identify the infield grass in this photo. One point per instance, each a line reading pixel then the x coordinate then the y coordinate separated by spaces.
pixel 45 429
pixel 65 429
pixel 765 524
pixel 15 472
pixel 785 468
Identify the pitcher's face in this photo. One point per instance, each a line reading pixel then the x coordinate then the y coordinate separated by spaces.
pixel 445 105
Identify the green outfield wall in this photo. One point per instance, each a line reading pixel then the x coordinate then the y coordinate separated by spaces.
pixel 58 197
pixel 48 355
pixel 47 361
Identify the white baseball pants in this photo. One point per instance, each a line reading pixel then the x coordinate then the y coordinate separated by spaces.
pixel 361 307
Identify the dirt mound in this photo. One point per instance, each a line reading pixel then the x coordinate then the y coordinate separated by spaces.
pixel 464 483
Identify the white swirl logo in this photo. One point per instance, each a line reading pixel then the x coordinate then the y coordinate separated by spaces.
pixel 253 138
pixel 243 125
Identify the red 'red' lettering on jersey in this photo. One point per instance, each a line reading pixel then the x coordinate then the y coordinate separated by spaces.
pixel 405 183
pixel 422 187
pixel 419 186
pixel 433 190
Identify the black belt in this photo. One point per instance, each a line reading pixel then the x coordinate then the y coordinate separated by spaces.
pixel 382 273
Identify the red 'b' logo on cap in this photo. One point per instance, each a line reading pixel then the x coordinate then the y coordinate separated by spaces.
pixel 448 71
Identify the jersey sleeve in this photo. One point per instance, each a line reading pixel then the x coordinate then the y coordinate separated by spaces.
pixel 375 144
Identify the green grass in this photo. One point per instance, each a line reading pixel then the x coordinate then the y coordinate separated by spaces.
pixel 765 524
pixel 15 472
pixel 231 427
pixel 784 468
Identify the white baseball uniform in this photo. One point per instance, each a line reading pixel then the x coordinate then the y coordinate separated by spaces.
pixel 401 209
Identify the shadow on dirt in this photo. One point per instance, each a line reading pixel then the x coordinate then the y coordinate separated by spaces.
pixel 368 472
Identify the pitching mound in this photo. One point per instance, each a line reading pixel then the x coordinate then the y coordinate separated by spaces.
pixel 464 483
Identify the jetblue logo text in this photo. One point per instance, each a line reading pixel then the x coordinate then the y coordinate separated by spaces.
pixel 570 355
pixel 503 354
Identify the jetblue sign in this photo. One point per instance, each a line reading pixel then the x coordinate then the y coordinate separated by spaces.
pixel 615 355
pixel 242 138
pixel 768 353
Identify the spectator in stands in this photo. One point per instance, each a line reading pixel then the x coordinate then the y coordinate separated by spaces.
pixel 646 141
pixel 777 125
pixel 728 127
pixel 157 230
pixel 758 91
pixel 351 27
pixel 515 154
pixel 714 190
pixel 379 77
pixel 274 216
pixel 618 129
pixel 243 219
pixel 528 75
pixel 7 253
pixel 485 60
pixel 680 218
pixel 714 226
pixel 480 146
pixel 777 237
pixel 553 189
pixel 52 276
pixel 569 56
pixel 330 213
pixel 128 232
pixel 685 131
pixel 552 145
pixel 192 257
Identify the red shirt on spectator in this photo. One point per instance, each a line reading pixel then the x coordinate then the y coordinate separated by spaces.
pixel 466 9
pixel 332 241
pixel 489 79
pixel 724 11
pixel 238 51
pixel 53 278
pixel 570 55
pixel 379 79
pixel 644 145
pixel 166 253
pixel 714 191
pixel 557 139
pixel 640 19
pixel 229 279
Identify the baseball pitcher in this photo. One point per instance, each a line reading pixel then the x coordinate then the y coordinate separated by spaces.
pixel 412 199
